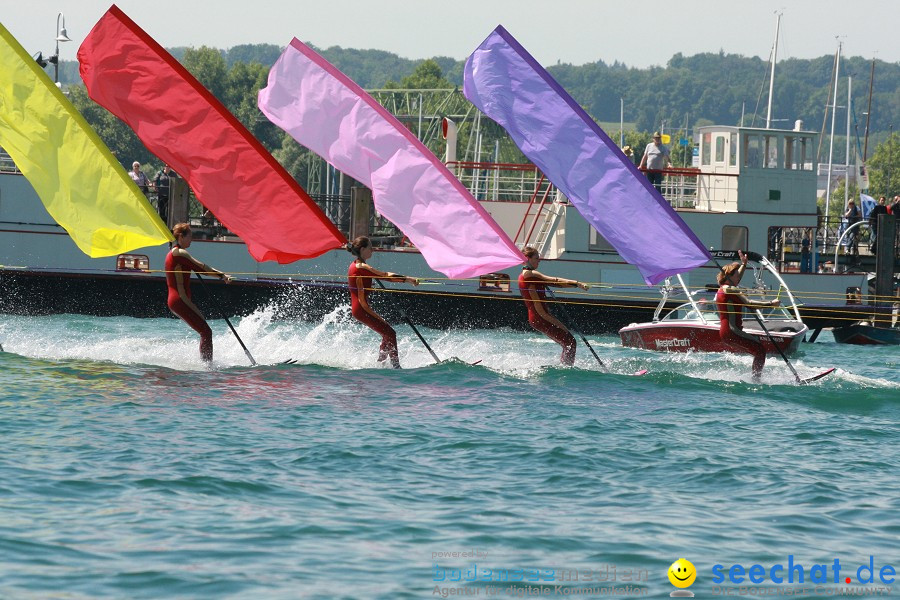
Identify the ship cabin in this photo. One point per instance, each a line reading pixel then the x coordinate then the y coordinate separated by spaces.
pixel 747 188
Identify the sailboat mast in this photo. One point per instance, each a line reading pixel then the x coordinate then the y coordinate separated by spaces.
pixel 847 155
pixel 869 113
pixel 831 84
pixel 772 76
pixel 837 67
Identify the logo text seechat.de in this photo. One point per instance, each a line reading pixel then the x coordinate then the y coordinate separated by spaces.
pixel 796 573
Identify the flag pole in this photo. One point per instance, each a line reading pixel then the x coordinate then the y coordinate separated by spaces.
pixel 569 325
pixel 415 330
pixel 233 330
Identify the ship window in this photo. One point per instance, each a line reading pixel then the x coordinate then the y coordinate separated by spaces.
pixel 803 154
pixel 790 146
pixel 732 150
pixel 752 149
pixel 720 148
pixel 598 243
pixel 707 141
pixel 795 153
pixel 132 262
pixel 771 152
pixel 494 282
pixel 734 238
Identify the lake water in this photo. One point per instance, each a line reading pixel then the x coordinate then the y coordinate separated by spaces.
pixel 130 471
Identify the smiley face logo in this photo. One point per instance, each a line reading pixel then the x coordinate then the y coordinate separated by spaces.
pixel 682 573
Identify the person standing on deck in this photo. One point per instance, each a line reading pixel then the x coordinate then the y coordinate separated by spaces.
pixel 532 285
pixel 730 303
pixel 162 181
pixel 359 277
pixel 140 178
pixel 853 217
pixel 179 266
pixel 655 159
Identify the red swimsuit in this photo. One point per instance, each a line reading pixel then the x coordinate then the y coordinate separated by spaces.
pixel 360 280
pixel 731 308
pixel 178 279
pixel 534 295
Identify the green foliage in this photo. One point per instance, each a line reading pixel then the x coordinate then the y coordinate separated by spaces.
pixel 120 139
pixel 428 75
pixel 208 66
pixel 295 159
pixel 836 208
pixel 884 168
pixel 704 89
pixel 715 87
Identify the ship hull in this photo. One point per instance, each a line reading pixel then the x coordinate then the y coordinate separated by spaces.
pixel 701 337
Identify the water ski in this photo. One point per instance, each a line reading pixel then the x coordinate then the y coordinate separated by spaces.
pixel 290 361
pixel 817 377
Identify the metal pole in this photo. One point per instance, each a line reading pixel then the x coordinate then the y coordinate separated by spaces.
pixel 869 112
pixel 890 192
pixel 56 55
pixel 621 122
pixel 772 76
pixel 831 149
pixel 419 135
pixel 847 155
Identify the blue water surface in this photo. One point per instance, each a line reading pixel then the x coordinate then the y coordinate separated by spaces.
pixel 131 471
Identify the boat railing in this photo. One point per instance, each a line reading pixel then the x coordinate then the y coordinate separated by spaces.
pixel 684 187
pixel 787 250
pixel 7 165
pixel 500 182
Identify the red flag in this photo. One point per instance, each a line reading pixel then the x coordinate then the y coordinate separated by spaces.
pixel 183 124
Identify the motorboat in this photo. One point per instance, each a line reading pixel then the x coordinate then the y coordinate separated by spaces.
pixel 866 333
pixel 694 325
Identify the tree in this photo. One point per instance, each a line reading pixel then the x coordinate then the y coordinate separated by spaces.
pixel 836 207
pixel 884 168
pixel 208 66
pixel 120 139
pixel 427 76
pixel 295 159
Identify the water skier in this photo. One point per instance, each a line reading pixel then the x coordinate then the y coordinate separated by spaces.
pixel 532 286
pixel 730 303
pixel 359 277
pixel 179 266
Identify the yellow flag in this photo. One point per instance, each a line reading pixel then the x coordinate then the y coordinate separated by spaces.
pixel 77 178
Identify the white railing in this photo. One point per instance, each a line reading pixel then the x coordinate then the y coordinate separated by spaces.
pixel 7 165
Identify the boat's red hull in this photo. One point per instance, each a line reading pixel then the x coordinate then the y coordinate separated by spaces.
pixel 684 337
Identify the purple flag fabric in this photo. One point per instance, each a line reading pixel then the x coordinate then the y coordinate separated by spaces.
pixel 325 111
pixel 557 135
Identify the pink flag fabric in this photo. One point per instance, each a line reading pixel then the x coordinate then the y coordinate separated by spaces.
pixel 183 124
pixel 327 112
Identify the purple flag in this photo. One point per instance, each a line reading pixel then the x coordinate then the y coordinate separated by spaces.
pixel 557 135
pixel 327 112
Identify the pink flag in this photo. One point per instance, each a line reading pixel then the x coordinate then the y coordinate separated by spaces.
pixel 325 111
pixel 183 124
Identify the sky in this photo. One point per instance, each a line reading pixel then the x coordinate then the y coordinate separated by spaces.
pixel 637 33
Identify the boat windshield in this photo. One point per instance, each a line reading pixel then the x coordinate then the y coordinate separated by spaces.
pixel 776 314
pixel 686 312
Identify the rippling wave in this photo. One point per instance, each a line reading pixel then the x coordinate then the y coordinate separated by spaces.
pixel 131 471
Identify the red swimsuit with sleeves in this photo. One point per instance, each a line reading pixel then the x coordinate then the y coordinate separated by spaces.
pixel 178 280
pixel 360 280
pixel 534 295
